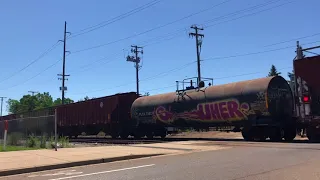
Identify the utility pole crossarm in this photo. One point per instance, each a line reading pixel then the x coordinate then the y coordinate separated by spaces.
pixel 33 92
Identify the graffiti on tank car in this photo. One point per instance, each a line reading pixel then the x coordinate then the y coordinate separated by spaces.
pixel 227 110
pixel 259 106
pixel 277 93
pixel 145 113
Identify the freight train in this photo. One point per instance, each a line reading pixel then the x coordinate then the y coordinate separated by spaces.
pixel 260 108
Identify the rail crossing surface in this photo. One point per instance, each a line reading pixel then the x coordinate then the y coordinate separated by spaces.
pixel 37 160
pixel 188 160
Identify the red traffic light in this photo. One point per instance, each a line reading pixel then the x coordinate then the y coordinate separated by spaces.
pixel 306 99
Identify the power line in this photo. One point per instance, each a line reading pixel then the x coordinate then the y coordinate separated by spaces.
pixel 254 53
pixel 241 11
pixel 245 74
pixel 55 63
pixel 251 14
pixel 146 79
pixel 85 67
pixel 32 62
pixel 213 58
pixel 219 18
pixel 115 19
pixel 152 29
pixel 282 42
pixel 225 77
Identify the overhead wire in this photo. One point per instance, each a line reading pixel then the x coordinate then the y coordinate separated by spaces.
pixel 254 53
pixel 115 19
pixel 225 77
pixel 246 15
pixel 186 65
pixel 33 76
pixel 174 34
pixel 251 14
pixel 32 62
pixel 152 29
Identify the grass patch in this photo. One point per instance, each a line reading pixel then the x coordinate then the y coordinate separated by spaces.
pixel 16 142
pixel 16 148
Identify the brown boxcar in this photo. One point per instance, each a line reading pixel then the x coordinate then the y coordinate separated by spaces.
pixel 308 93
pixel 110 114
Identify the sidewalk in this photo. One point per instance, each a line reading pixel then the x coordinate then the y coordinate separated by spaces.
pixel 36 160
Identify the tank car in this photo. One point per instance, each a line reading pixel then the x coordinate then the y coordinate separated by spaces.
pixel 260 108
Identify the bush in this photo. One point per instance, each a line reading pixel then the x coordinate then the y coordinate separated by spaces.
pixel 64 142
pixel 33 141
pixel 14 138
pixel 43 141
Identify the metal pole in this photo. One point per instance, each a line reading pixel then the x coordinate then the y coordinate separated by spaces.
pixel 55 130
pixel 5 134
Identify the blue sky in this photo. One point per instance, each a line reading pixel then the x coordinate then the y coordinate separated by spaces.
pixel 29 28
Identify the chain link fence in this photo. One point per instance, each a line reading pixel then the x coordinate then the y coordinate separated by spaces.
pixel 29 131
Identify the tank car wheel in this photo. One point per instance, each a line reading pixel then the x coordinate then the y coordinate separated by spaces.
pixel 163 136
pixel 289 134
pixel 124 135
pixel 277 134
pixel 312 136
pixel 247 134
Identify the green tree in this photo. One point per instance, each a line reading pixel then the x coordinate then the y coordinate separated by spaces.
pixel 58 101
pixel 273 71
pixel 13 106
pixel 44 100
pixel 30 103
pixel 84 99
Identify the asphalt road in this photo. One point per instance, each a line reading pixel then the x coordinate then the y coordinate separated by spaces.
pixel 252 161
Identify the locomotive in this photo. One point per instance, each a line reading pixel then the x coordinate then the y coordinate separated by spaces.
pixel 259 108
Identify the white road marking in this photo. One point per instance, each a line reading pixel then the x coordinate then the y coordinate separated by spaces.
pixel 103 172
pixel 66 173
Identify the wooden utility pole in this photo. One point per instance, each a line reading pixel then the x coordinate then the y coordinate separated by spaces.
pixel 2 104
pixel 198 46
pixel 63 75
pixel 136 60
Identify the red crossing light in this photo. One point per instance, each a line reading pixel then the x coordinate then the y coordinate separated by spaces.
pixel 306 98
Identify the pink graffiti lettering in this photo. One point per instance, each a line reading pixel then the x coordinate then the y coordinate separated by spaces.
pixel 227 110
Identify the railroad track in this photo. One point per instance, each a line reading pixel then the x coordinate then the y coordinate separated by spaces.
pixel 106 140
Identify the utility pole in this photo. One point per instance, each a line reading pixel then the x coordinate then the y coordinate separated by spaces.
pixel 198 45
pixel 33 92
pixel 63 75
pixel 2 104
pixel 136 60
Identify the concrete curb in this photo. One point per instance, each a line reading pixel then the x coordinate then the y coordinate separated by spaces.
pixel 73 164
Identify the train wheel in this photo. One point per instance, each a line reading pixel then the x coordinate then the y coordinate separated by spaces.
pixel 247 134
pixel 276 134
pixel 290 134
pixel 124 135
pixel 312 135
